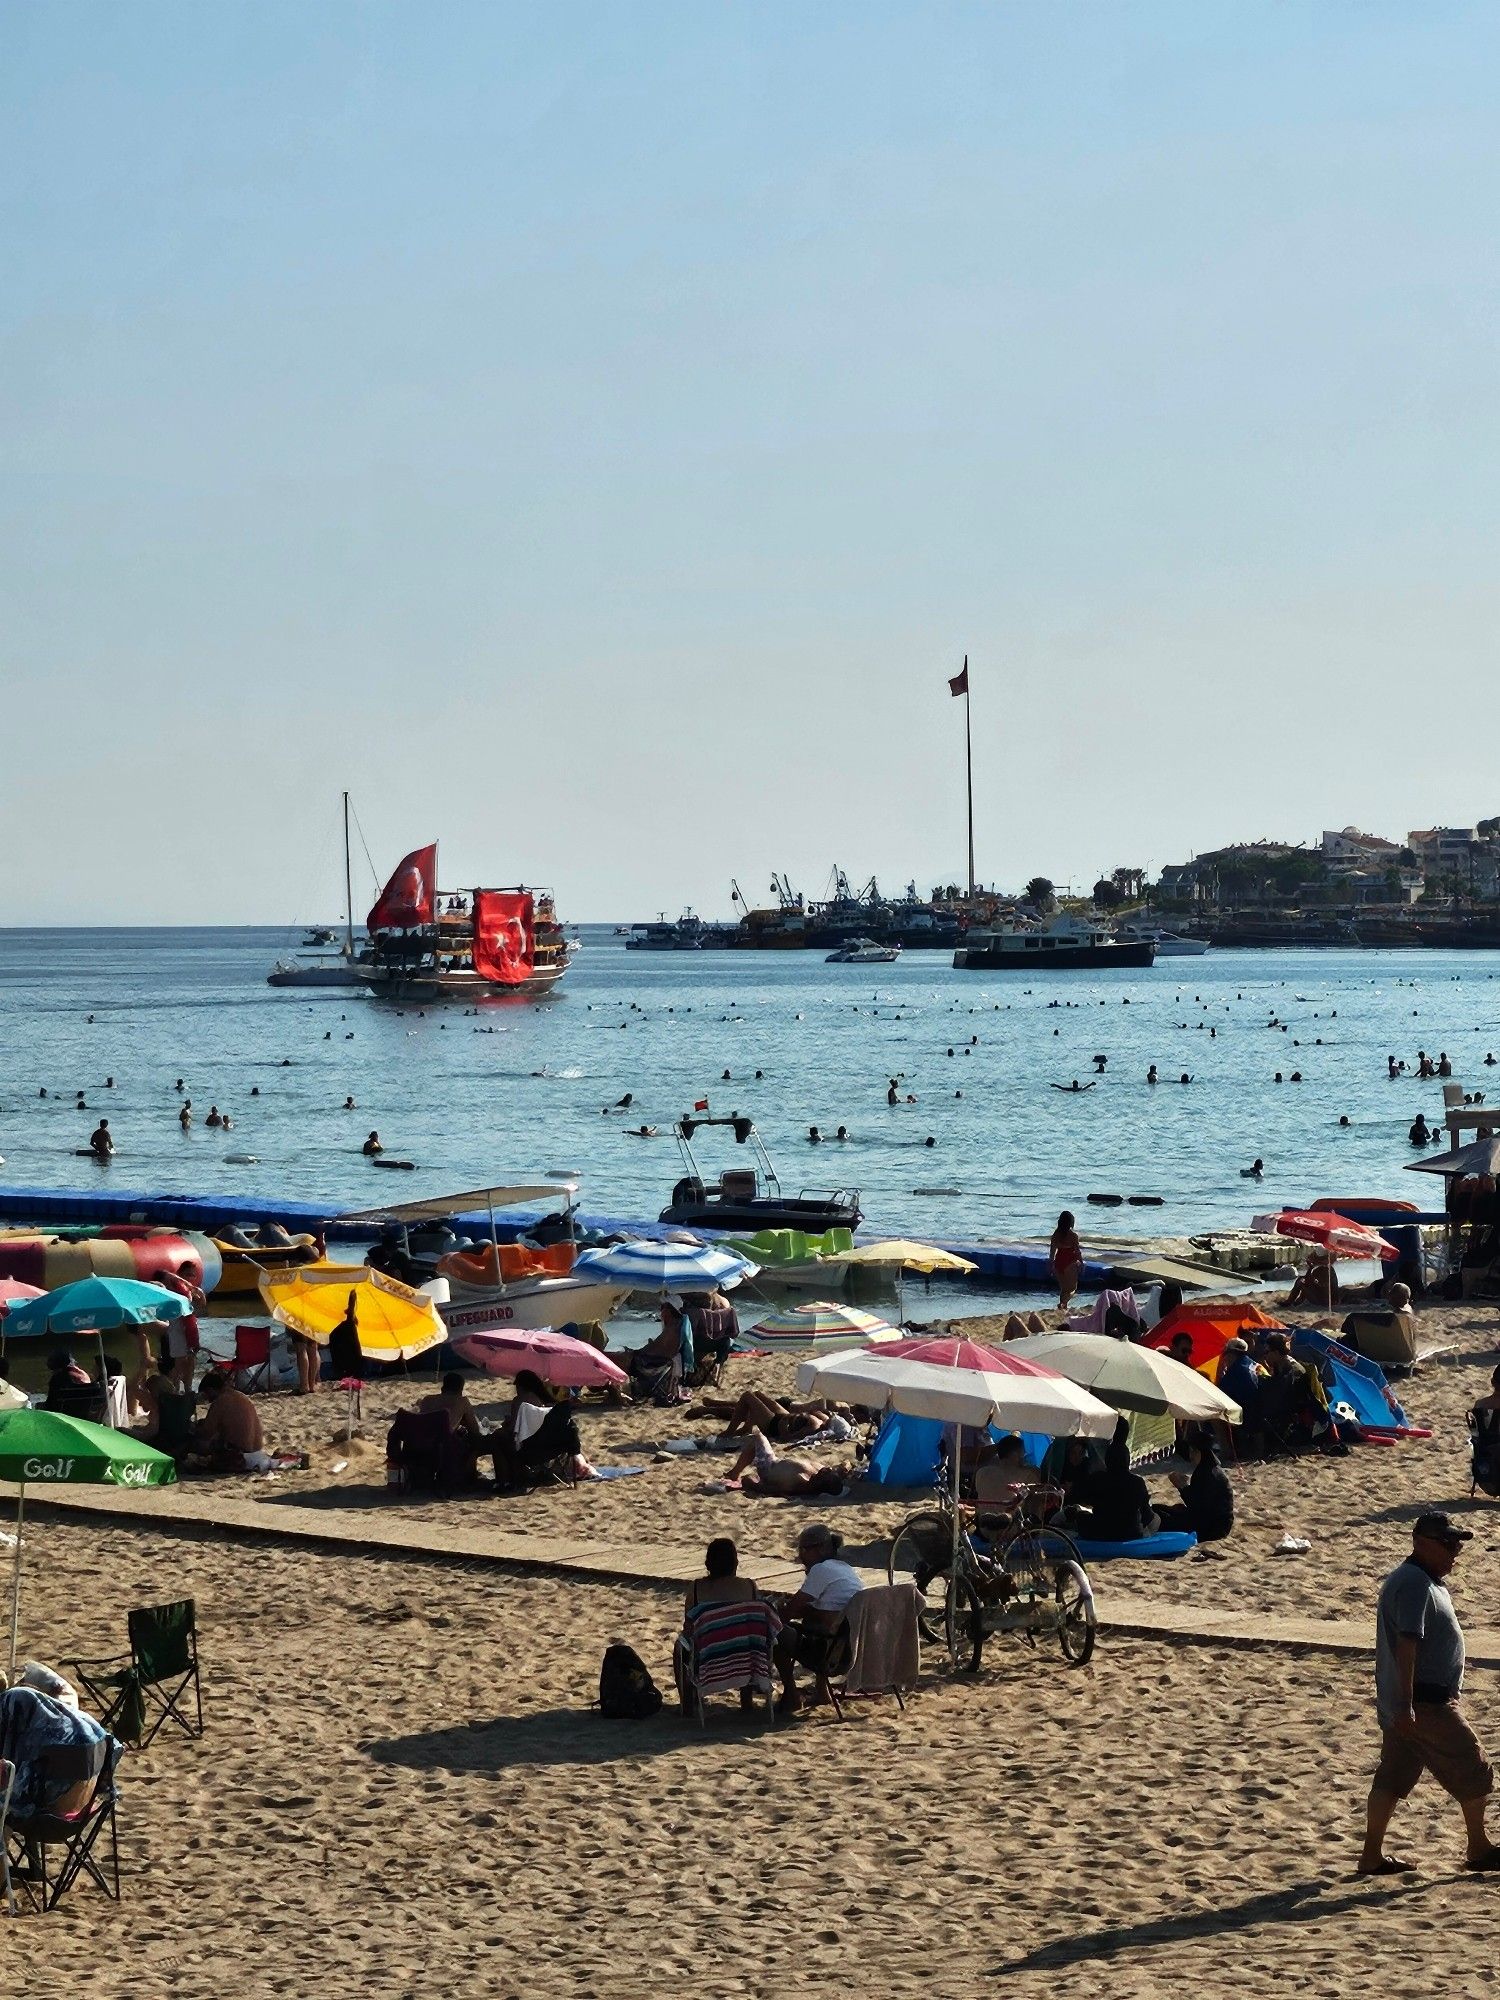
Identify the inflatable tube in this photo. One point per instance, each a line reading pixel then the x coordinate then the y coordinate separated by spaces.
pixel 1159 1547
pixel 395 1166
pixel 1105 1200
pixel 155 1252
pixel 208 1257
pixel 127 1251
pixel 1144 1200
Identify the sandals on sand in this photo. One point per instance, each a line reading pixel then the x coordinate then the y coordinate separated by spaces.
pixel 1389 1865
pixel 1487 1864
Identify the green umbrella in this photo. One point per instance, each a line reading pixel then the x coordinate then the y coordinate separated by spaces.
pixel 46 1447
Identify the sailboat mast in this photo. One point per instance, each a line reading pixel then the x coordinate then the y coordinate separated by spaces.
pixel 348 888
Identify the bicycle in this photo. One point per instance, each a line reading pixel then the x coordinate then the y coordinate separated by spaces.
pixel 1031 1580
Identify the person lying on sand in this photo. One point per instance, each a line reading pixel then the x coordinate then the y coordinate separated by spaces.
pixel 760 1469
pixel 787 1422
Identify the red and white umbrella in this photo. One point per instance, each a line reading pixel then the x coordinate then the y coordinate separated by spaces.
pixel 557 1358
pixel 1337 1234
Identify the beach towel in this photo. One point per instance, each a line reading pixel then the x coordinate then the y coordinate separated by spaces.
pixel 616 1471
pixel 884 1646
pixel 1148 1548
pixel 730 1646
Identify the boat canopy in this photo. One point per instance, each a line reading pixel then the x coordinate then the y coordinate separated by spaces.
pixel 436 1207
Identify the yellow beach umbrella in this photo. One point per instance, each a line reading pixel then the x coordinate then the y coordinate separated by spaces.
pixel 900 1254
pixel 395 1323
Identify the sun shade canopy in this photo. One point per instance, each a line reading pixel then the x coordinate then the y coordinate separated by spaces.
pixel 438 1206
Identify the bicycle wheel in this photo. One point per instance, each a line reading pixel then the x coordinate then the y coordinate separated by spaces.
pixel 1077 1627
pixel 922 1553
pixel 963 1626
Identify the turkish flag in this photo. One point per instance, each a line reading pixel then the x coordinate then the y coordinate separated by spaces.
pixel 406 900
pixel 701 1105
pixel 960 682
pixel 504 936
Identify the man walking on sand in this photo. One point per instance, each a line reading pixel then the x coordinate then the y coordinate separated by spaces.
pixel 1419 1672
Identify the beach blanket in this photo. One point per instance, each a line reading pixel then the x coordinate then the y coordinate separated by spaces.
pixel 1149 1548
pixel 730 1646
pixel 884 1644
pixel 617 1472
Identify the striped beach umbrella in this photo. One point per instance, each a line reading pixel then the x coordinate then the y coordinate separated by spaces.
pixel 664 1267
pixel 821 1323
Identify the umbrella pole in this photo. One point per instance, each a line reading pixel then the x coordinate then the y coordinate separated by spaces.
pixel 958 1452
pixel 15 1585
pixel 109 1418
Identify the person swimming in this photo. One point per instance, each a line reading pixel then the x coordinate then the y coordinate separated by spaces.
pixel 1253 1172
pixel 348 1103
pixel 1151 1076
pixel 215 1117
pixel 372 1146
pixel 814 1136
pixel 185 1115
pixel 842 1132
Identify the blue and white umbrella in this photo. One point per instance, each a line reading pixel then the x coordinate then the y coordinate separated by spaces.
pixel 664 1267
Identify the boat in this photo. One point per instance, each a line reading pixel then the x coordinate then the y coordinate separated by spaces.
pixel 489 1284
pixel 1067 944
pixel 341 970
pixel 474 944
pixel 795 1261
pixel 1169 944
pixel 745 1199
pixel 252 1254
pixel 684 935
pixel 864 951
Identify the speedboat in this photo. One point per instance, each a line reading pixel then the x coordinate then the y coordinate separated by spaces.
pixel 864 951
pixel 491 1285
pixel 1169 944
pixel 745 1199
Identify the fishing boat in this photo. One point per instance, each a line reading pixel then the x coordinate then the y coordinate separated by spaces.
pixel 473 944
pixel 1067 944
pixel 490 1284
pixel 864 951
pixel 750 1198
pixel 339 970
pixel 684 935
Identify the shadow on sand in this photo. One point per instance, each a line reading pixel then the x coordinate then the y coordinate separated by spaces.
pixel 565 1736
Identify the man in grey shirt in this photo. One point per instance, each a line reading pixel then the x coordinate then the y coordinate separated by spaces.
pixel 1419 1673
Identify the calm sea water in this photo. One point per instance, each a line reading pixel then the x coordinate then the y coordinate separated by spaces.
pixel 521 1089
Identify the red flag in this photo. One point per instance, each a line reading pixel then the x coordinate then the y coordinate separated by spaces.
pixel 406 900
pixel 701 1105
pixel 504 936
pixel 960 682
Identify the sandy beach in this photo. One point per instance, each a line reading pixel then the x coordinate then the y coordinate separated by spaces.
pixel 401 1782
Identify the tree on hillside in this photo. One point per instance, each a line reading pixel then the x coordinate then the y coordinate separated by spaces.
pixel 1108 895
pixel 1040 893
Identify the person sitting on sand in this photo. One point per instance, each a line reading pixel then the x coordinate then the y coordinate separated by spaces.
pixel 720 1583
pixel 1293 1405
pixel 649 1365
pixel 815 1621
pixel 1240 1379
pixel 101 1145
pixel 71 1390
pixel 533 1433
pixel 1065 1257
pixel 1317 1288
pixel 1119 1500
pixel 1206 1508
pixel 715 1327
pixel 229 1430
pixel 760 1469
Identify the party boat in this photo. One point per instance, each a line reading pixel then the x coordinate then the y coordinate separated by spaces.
pixel 471 944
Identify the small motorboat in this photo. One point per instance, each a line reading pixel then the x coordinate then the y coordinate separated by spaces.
pixel 745 1199
pixel 252 1254
pixel 864 951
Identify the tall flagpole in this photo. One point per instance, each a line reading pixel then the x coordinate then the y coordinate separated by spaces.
pixel 969 767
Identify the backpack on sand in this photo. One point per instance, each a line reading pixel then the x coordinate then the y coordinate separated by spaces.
pixel 627 1692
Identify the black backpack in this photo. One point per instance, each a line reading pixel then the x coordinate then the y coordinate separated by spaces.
pixel 627 1692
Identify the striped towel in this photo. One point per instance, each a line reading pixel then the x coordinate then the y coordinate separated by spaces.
pixel 731 1646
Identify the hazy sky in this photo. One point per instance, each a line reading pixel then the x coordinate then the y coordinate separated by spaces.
pixel 593 434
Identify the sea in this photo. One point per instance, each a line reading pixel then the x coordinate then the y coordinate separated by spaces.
pixel 987 1141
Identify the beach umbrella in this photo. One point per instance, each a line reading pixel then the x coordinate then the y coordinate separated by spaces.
pixel 963 1384
pixel 13 1292
pixel 92 1305
pixel 45 1447
pixel 664 1267
pixel 823 1322
pixel 561 1361
pixel 900 1254
pixel 1480 1156
pixel 1129 1377
pixel 1336 1234
pixel 395 1322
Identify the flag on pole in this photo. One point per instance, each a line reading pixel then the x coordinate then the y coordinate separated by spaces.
pixel 701 1104
pixel 960 682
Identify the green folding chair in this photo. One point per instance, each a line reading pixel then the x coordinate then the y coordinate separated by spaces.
pixel 138 1693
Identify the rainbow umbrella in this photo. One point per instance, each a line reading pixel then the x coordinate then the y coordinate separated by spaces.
pixel 821 1323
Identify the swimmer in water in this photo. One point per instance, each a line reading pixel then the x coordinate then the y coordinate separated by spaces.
pixel 179 1086
pixel 101 1145
pixel 372 1146
pixel 1151 1076
pixel 348 1103
pixel 213 1117
pixel 1069 1088
pixel 892 1096
pixel 814 1136
pixel 929 1140
pixel 842 1132
pixel 185 1115
pixel 1253 1173
pixel 255 1090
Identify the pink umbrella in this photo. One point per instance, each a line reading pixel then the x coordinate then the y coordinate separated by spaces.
pixel 560 1361
pixel 1337 1234
pixel 13 1291
pixel 945 1351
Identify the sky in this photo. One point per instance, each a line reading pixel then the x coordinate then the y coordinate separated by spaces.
pixel 593 434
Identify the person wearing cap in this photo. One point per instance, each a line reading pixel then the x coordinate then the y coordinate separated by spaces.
pixel 1419 1672
pixel 1239 1378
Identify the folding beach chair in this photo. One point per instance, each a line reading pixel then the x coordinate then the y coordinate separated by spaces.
pixel 727 1648
pixel 26 1845
pixel 150 1683
pixel 884 1650
pixel 251 1363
